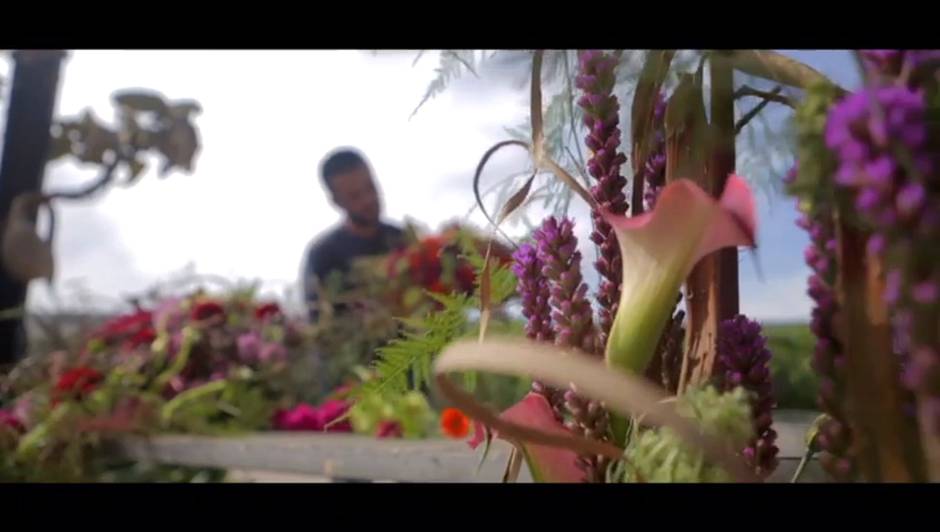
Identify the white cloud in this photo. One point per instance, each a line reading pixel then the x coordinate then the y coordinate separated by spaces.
pixel 783 299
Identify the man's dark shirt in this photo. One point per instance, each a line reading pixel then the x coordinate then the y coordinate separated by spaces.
pixel 337 249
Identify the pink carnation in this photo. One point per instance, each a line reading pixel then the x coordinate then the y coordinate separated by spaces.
pixel 310 418
pixel 9 419
pixel 301 417
pixel 332 410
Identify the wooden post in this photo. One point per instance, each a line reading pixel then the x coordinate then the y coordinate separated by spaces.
pixel 721 165
pixel 25 148
pixel 885 442
pixel 712 287
pixel 687 137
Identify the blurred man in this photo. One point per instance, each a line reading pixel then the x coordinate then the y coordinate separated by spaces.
pixel 348 181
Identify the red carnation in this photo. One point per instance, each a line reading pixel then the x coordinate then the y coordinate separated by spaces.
pixel 206 310
pixel 267 310
pixel 78 382
pixel 133 329
pixel 142 337
pixel 437 287
pixel 466 278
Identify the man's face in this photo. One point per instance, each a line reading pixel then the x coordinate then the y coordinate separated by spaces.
pixel 354 192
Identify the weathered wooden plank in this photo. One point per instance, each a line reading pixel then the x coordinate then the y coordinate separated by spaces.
pixel 338 456
pixel 292 457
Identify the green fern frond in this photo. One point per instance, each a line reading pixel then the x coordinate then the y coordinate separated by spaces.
pixel 453 64
pixel 413 354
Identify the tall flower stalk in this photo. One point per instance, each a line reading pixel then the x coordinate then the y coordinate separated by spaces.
pixel 534 290
pixel 744 361
pixel 835 437
pixel 572 317
pixel 601 108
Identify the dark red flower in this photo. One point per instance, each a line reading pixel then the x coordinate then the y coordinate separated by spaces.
pixel 127 324
pixel 142 337
pixel 77 382
pixel 9 419
pixel 206 310
pixel 425 261
pixel 267 310
pixel 133 329
pixel 437 287
pixel 466 278
pixel 389 429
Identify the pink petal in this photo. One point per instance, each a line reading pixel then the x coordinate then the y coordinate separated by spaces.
pixel 547 464
pixel 735 222
pixel 479 435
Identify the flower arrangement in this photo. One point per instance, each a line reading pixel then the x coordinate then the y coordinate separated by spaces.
pixel 435 264
pixel 865 178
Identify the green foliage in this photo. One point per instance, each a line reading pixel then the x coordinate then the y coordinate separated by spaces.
pixel 813 183
pixel 659 455
pixel 232 405
pixel 410 410
pixel 795 383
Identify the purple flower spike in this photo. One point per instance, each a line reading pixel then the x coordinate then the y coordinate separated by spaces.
pixel 601 116
pixel 573 326
pixel 743 360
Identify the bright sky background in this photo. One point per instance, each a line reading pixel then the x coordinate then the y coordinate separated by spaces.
pixel 254 200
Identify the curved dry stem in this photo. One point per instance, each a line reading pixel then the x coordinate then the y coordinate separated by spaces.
pixel 479 172
pixel 621 393
pixel 548 164
pixel 538 134
pixel 513 431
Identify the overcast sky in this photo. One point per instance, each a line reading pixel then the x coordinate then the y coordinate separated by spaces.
pixel 254 202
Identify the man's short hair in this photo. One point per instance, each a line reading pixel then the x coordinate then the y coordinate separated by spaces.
pixel 338 162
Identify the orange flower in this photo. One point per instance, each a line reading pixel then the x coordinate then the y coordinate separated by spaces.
pixel 455 423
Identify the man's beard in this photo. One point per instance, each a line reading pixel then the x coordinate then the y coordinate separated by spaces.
pixel 364 222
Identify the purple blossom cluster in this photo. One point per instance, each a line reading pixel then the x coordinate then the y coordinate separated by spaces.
pixel 533 287
pixel 561 265
pixel 743 360
pixel 888 161
pixel 534 291
pixel 596 79
pixel 890 64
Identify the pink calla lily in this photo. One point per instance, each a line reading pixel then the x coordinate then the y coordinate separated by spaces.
pixel 660 248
